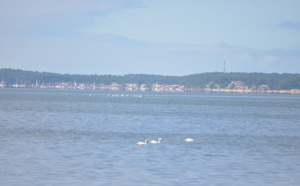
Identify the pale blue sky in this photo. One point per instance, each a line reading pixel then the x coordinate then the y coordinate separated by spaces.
pixel 166 37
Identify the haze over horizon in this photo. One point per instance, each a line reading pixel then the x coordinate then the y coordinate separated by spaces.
pixel 167 37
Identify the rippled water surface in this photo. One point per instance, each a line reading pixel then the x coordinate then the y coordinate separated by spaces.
pixel 71 137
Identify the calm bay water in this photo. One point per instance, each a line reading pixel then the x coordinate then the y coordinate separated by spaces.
pixel 71 137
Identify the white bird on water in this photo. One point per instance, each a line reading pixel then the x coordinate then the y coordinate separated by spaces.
pixel 154 141
pixel 142 143
pixel 189 140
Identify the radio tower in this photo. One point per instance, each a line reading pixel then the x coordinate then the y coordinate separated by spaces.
pixel 224 70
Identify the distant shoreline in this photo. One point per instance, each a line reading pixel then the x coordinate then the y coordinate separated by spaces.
pixel 204 82
pixel 293 91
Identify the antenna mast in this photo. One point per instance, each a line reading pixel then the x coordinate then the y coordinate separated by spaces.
pixel 224 70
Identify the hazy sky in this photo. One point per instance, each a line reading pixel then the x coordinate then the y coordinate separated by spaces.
pixel 165 37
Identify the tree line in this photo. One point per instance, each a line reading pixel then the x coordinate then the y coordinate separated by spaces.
pixel 278 81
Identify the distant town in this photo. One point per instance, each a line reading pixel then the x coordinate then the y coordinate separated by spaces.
pixel 234 87
pixel 95 86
